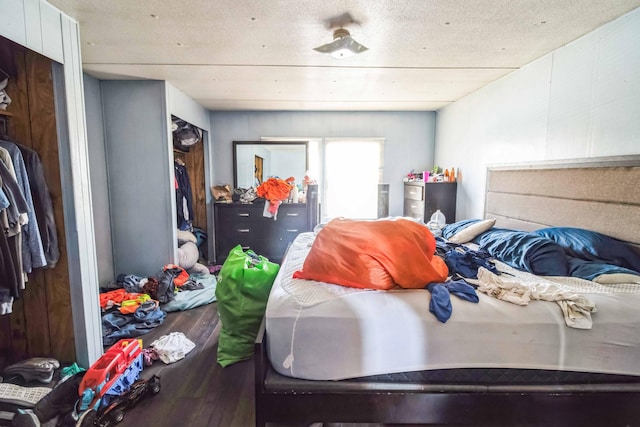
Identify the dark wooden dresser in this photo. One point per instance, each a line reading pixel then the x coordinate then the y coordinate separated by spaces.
pixel 422 199
pixel 244 224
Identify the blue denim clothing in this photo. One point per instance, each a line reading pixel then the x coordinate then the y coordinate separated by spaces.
pixel 116 325
pixel 4 202
pixel 32 250
pixel 43 205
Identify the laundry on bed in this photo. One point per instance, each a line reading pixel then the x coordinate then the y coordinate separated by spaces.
pixel 378 254
pixel 440 303
pixel 576 308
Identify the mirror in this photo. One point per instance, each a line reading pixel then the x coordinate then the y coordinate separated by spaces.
pixel 256 161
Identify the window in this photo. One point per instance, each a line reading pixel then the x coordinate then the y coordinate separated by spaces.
pixel 348 171
pixel 352 170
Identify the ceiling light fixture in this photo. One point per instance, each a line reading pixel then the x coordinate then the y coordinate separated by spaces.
pixel 342 46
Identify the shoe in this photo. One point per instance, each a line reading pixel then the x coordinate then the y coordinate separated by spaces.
pixel 35 369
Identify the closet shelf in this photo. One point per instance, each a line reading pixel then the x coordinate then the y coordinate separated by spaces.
pixel 5 113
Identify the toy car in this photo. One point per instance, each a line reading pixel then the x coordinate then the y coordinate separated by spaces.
pixel 114 412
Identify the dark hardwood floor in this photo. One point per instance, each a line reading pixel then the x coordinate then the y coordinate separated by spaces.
pixel 196 391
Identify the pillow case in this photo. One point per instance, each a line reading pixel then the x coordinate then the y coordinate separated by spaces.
pixel 593 246
pixel 374 254
pixel 601 272
pixel 466 230
pixel 525 251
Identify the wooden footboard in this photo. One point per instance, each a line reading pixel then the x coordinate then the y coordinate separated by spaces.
pixel 288 400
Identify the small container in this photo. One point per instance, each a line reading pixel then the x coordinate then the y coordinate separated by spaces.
pixel 425 176
pixel 437 223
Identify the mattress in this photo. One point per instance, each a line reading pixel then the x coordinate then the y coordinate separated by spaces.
pixel 322 331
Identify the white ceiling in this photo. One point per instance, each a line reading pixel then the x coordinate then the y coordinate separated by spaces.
pixel 258 54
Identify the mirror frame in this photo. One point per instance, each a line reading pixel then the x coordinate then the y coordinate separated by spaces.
pixel 240 143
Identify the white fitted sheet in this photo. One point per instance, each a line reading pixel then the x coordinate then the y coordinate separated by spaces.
pixel 323 331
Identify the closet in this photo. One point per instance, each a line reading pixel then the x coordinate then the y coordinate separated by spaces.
pixel 141 177
pixel 41 321
pixel 190 160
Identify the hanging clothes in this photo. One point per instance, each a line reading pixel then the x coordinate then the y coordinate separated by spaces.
pixel 43 205
pixel 7 272
pixel 32 251
pixel 184 198
pixel 12 218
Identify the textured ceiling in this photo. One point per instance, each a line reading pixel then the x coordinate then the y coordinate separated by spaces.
pixel 258 54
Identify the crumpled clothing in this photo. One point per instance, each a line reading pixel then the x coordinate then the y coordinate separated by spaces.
pixel 576 309
pixel 130 282
pixel 275 190
pixel 116 297
pixel 116 326
pixel 440 304
pixel 271 209
pixel 173 347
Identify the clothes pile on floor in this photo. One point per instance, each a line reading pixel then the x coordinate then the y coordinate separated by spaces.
pixel 134 305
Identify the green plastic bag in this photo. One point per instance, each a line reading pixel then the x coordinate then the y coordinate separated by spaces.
pixel 244 283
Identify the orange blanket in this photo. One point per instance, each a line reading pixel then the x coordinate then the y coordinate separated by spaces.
pixel 374 254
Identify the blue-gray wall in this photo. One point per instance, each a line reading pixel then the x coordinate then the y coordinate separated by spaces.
pixel 99 180
pixel 409 138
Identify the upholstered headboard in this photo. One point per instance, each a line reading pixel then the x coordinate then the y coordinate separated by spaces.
pixel 600 194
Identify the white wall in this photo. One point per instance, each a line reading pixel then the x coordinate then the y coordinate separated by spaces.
pixel 409 138
pixel 580 101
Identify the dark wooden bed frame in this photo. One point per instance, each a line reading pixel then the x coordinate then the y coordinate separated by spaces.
pixel 512 194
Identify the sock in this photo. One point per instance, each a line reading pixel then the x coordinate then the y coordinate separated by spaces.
pixel 440 304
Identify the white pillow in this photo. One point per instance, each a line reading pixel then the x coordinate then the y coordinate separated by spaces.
pixel 469 233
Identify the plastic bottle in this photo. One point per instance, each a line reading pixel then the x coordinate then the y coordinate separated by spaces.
pixel 437 222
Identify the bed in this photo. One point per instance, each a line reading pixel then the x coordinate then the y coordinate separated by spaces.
pixel 331 353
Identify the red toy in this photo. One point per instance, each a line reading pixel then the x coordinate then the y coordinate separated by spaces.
pixel 112 374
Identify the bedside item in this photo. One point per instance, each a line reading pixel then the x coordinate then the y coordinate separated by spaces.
pixel 423 199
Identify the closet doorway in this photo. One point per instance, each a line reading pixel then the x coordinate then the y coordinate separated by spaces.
pixel 190 160
pixel 41 322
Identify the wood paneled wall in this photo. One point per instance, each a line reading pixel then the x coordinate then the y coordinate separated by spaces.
pixel 41 323
pixel 194 163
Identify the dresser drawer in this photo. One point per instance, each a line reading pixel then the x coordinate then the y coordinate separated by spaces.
pixel 414 192
pixel 239 214
pixel 246 225
pixel 413 208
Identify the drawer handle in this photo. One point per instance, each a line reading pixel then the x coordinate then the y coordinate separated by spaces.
pixel 292 214
pixel 243 214
pixel 243 230
pixel 292 230
pixel 413 206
